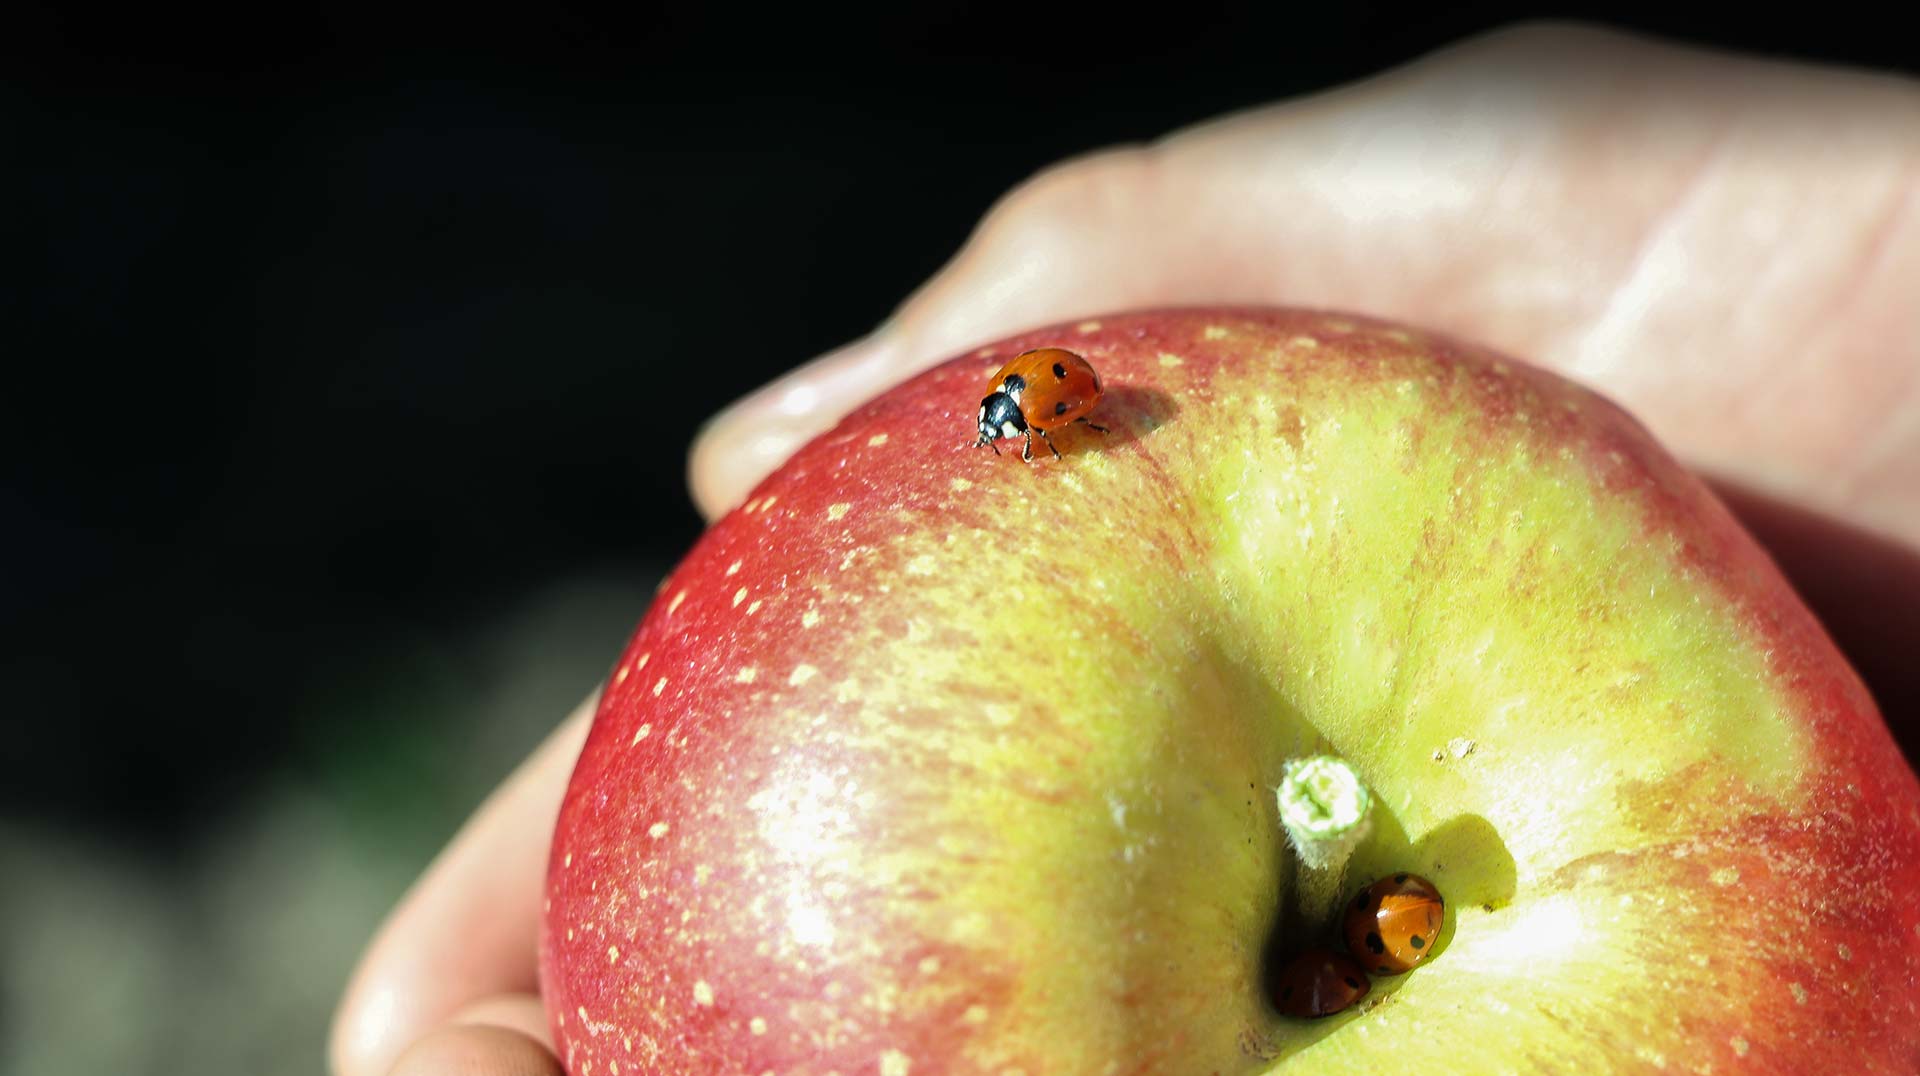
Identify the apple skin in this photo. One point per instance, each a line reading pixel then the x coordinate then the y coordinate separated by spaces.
pixel 929 760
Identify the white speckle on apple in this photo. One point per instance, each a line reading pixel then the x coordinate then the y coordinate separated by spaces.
pixel 838 509
pixel 998 715
pixel 975 1014
pixel 567 862
pixel 1306 343
pixel 1088 327
pixel 621 676
pixel 757 1026
pixel 1725 876
pixel 846 690
pixel 1117 809
pixel 1845 951
pixel 801 674
pixel 613 954
pixel 675 603
pixel 734 568
pixel 1169 360
pixel 702 993
pixel 753 606
pixel 1740 1046
pixel 641 733
pixel 1799 993
pixel 659 686
pixel 642 663
pixel 809 618
pixel 739 596
pixel 1214 332
pixel 1460 747
pixel 746 675
pixel 921 565
pixel 894 1063
pixel 959 485
pixel 658 830
pixel 929 965
pixel 1337 325
pixel 876 440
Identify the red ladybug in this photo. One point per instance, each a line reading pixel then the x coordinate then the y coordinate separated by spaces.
pixel 1040 390
pixel 1320 982
pixel 1393 923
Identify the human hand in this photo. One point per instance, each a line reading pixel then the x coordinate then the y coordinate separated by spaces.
pixel 1726 246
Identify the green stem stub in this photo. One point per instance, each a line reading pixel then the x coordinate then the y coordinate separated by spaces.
pixel 1324 807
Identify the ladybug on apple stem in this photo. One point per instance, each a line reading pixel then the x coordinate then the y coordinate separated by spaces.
pixel 1039 391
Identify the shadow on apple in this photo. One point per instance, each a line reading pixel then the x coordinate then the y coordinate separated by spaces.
pixel 1129 413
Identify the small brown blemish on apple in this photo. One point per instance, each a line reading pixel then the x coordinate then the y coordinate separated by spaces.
pixel 1845 952
pixel 1799 993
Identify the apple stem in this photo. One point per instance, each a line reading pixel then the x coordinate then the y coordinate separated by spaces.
pixel 1325 809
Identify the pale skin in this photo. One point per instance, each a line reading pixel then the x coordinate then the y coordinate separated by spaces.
pixel 1729 247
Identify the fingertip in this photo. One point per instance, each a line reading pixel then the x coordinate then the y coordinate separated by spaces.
pixel 749 438
pixel 524 1013
pixel 476 1050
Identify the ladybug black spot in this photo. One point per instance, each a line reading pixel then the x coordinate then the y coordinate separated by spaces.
pixel 1360 902
pixel 1374 944
pixel 1399 879
pixel 1059 372
pixel 1417 942
pixel 1352 983
pixel 1060 408
pixel 1286 992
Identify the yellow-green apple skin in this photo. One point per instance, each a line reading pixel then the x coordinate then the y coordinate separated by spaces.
pixel 928 760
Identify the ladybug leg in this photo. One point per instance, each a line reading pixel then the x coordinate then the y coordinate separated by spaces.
pixel 1050 444
pixel 1091 426
pixel 1026 450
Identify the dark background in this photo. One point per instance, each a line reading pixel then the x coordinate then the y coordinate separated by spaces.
pixel 350 359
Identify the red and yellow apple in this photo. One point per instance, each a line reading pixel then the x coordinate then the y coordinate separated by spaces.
pixel 928 760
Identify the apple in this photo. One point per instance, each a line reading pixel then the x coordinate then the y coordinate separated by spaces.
pixel 929 760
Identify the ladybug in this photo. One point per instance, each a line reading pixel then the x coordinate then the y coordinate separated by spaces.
pixel 1392 924
pixel 1320 982
pixel 1040 390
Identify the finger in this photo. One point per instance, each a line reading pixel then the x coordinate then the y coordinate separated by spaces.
pixel 469 928
pixel 1609 225
pixel 476 1050
pixel 524 1013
